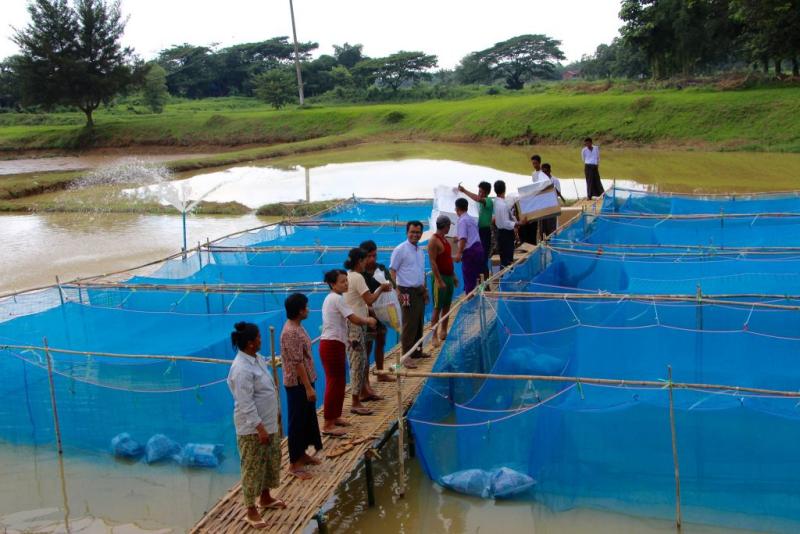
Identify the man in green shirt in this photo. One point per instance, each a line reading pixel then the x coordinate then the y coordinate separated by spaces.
pixel 484 219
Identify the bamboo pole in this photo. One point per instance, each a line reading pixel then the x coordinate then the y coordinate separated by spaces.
pixel 678 520
pixel 401 481
pixel 275 374
pixel 708 299
pixel 698 216
pixel 614 382
pixel 270 249
pixel 599 250
pixel 53 397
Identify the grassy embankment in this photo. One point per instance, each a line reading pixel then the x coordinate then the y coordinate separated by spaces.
pixel 766 120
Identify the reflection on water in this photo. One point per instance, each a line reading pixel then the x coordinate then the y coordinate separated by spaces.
pixel 102 493
pixel 410 178
pixel 37 248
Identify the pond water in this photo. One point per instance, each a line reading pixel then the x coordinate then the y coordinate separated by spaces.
pixel 87 161
pixel 102 494
pixel 255 186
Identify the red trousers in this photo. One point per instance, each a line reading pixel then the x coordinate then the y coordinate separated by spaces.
pixel 333 356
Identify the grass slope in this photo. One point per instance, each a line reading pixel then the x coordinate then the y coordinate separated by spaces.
pixel 758 119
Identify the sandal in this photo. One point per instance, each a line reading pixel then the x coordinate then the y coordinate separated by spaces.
pixel 300 473
pixel 256 523
pixel 340 450
pixel 335 433
pixel 360 410
pixel 342 422
pixel 275 504
pixel 371 397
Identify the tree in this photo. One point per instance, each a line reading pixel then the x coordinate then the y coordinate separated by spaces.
pixel 348 55
pixel 679 36
pixel 73 55
pixel 522 58
pixel 473 70
pixel 203 71
pixel 771 30
pixel 397 69
pixel 155 88
pixel 10 91
pixel 276 87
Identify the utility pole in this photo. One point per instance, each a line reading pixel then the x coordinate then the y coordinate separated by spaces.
pixel 296 56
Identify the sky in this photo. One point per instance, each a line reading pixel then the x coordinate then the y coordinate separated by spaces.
pixel 448 28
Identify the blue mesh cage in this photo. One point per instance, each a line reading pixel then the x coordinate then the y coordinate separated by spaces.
pixel 181 307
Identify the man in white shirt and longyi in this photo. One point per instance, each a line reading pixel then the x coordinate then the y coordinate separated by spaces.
pixel 407 268
pixel 591 169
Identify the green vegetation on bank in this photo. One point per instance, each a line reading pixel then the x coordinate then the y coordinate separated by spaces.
pixel 756 120
pixel 296 209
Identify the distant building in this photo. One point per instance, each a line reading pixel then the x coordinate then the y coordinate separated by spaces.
pixel 571 74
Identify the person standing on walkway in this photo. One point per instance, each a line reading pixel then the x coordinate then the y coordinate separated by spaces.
pixel 550 224
pixel 333 349
pixel 376 274
pixel 299 377
pixel 359 298
pixel 529 230
pixel 255 416
pixel 407 268
pixel 443 277
pixel 591 169
pixel 505 222
pixel 470 249
pixel 484 221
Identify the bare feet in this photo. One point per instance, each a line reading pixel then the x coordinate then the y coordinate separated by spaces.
pixel 310 460
pixel 342 422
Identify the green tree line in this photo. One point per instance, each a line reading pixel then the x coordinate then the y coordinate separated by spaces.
pixel 71 56
pixel 666 38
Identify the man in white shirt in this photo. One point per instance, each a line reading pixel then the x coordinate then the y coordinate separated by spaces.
pixel 550 224
pixel 591 169
pixel 529 230
pixel 505 222
pixel 407 268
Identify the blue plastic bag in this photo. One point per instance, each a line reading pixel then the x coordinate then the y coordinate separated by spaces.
pixel 160 447
pixel 475 482
pixel 201 455
pixel 495 484
pixel 506 483
pixel 124 446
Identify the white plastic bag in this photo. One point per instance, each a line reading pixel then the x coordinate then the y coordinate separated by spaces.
pixel 387 306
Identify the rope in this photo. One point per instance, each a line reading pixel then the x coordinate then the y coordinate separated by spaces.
pixel 119 388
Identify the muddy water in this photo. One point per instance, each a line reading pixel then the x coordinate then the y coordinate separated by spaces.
pixel 89 161
pixel 39 247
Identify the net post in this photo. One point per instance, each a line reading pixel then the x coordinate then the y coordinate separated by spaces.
pixel 370 479
pixel 60 290
pixel 678 520
pixel 53 396
pixel 482 318
pixel 275 375
pixel 199 255
pixel 614 194
pixel 401 482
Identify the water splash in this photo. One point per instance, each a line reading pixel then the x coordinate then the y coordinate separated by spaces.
pixel 131 171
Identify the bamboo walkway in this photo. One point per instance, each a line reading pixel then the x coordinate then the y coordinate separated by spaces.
pixel 305 498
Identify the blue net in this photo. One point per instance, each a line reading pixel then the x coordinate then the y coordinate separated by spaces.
pixel 181 307
pixel 609 445
pixel 620 200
